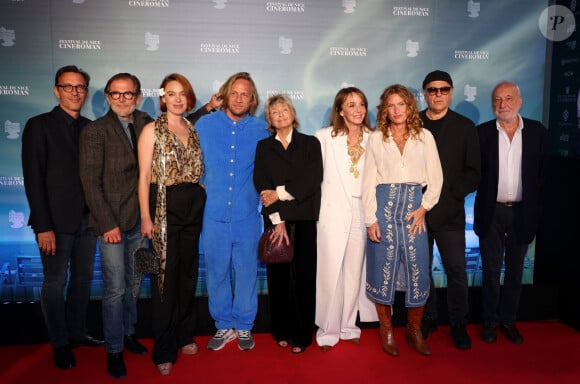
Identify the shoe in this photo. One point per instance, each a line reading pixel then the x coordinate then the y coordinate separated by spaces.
pixel 63 357
pixel 165 368
pixel 282 343
pixel 220 339
pixel 190 349
pixel 245 340
pixel 428 325
pixel 325 348
pixel 133 345
pixel 116 365
pixel 489 333
pixel 87 341
pixel 512 333
pixel 356 340
pixel 461 339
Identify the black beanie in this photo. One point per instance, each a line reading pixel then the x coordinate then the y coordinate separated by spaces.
pixel 437 76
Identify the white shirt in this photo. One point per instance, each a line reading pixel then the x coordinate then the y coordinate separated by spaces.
pixel 509 183
pixel 384 164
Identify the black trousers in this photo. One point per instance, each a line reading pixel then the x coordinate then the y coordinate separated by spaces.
pixel 451 245
pixel 501 245
pixel 292 288
pixel 173 315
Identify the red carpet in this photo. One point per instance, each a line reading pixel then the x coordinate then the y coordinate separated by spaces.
pixel 550 354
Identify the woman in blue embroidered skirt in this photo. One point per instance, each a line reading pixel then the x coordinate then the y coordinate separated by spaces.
pixel 402 181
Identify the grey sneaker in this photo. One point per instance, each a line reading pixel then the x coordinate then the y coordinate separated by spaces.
pixel 221 338
pixel 245 340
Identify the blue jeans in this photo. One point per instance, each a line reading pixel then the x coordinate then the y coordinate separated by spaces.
pixel 119 305
pixel 231 259
pixel 78 250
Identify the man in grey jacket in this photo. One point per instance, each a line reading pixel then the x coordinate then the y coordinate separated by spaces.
pixel 109 173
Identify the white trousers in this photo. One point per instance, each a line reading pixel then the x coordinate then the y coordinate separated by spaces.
pixel 349 296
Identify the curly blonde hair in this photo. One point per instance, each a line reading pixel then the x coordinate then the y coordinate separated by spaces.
pixel 414 123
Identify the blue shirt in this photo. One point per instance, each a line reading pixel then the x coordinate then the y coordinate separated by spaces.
pixel 229 148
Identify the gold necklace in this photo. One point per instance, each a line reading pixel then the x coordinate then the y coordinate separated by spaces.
pixel 355 152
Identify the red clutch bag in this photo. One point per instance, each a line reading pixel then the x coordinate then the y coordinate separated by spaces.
pixel 272 253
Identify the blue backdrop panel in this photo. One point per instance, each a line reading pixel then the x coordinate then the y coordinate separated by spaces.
pixel 309 49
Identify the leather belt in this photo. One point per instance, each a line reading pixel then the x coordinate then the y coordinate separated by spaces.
pixel 508 203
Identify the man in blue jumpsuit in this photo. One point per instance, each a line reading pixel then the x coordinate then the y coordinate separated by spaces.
pixel 232 223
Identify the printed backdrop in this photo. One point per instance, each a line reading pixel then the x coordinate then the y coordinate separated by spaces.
pixel 308 49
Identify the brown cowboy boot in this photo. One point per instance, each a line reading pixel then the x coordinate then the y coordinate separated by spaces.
pixel 386 329
pixel 414 336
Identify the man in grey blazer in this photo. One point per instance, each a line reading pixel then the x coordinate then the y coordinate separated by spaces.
pixel 109 173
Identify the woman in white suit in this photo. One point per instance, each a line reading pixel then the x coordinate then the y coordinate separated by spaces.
pixel 341 230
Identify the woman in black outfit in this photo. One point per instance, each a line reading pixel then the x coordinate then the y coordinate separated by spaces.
pixel 288 175
pixel 172 202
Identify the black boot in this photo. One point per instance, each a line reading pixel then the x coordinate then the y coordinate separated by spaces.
pixel 116 365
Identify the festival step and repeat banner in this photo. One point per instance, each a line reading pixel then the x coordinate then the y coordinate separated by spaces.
pixel 307 49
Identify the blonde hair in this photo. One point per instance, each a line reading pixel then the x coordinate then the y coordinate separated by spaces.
pixel 226 89
pixel 280 98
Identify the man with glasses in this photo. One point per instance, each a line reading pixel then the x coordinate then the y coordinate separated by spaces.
pixel 109 172
pixel 59 216
pixel 458 148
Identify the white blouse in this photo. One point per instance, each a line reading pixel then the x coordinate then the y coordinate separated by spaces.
pixel 384 164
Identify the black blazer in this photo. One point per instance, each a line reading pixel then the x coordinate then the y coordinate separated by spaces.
pixel 458 148
pixel 50 165
pixel 534 155
pixel 298 168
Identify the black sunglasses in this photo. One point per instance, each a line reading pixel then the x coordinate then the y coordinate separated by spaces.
pixel 434 90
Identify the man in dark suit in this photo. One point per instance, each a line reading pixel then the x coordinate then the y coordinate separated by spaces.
pixel 507 206
pixel 109 172
pixel 458 149
pixel 58 214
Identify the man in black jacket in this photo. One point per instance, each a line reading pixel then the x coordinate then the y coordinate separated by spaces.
pixel 58 214
pixel 507 206
pixel 458 148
